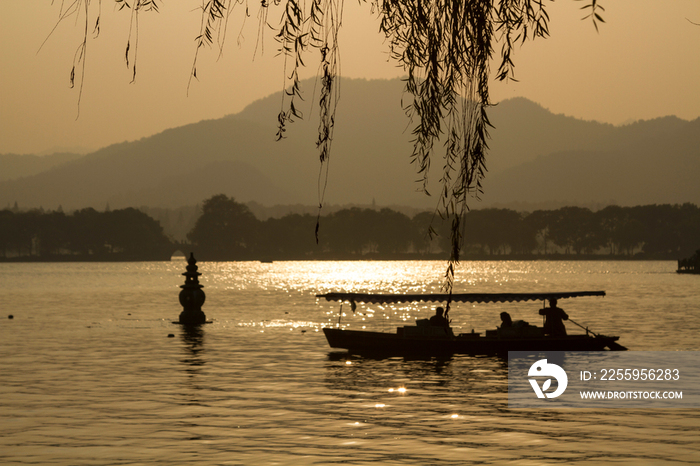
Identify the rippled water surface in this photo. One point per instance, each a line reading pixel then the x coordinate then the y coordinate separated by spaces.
pixel 90 376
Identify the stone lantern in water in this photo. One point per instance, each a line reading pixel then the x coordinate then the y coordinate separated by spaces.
pixel 192 297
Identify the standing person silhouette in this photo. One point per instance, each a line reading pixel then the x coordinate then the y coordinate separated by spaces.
pixel 554 319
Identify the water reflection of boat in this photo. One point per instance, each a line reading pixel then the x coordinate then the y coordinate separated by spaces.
pixel 427 339
pixel 441 383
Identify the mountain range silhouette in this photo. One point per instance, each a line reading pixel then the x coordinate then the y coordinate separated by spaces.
pixel 536 160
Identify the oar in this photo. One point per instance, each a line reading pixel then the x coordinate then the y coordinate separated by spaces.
pixel 613 345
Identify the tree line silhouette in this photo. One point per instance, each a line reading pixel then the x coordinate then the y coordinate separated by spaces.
pixel 125 234
pixel 228 230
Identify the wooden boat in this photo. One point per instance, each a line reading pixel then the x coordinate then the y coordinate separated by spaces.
pixel 425 339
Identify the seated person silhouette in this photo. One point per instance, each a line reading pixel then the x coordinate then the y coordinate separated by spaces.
pixel 554 317
pixel 439 320
pixel 506 321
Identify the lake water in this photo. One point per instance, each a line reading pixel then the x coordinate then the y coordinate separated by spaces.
pixel 90 376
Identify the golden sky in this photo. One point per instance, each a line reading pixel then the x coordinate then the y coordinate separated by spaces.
pixel 643 63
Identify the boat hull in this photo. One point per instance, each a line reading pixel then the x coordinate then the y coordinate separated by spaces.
pixel 364 342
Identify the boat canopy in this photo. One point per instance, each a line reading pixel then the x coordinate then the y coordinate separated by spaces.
pixel 459 298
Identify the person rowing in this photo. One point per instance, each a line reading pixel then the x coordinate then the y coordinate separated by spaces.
pixel 554 319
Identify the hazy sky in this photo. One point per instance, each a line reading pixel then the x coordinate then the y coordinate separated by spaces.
pixel 643 63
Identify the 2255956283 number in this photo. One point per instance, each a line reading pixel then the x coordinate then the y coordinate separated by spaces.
pixel 640 374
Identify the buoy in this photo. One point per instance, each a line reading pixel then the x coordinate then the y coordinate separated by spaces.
pixel 10 316
pixel 170 335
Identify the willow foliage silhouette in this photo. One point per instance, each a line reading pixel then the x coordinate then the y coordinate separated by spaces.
pixel 444 46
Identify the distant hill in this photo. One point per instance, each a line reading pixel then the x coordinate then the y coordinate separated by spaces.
pixel 178 166
pixel 238 155
pixel 647 162
pixel 13 166
pixel 536 157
